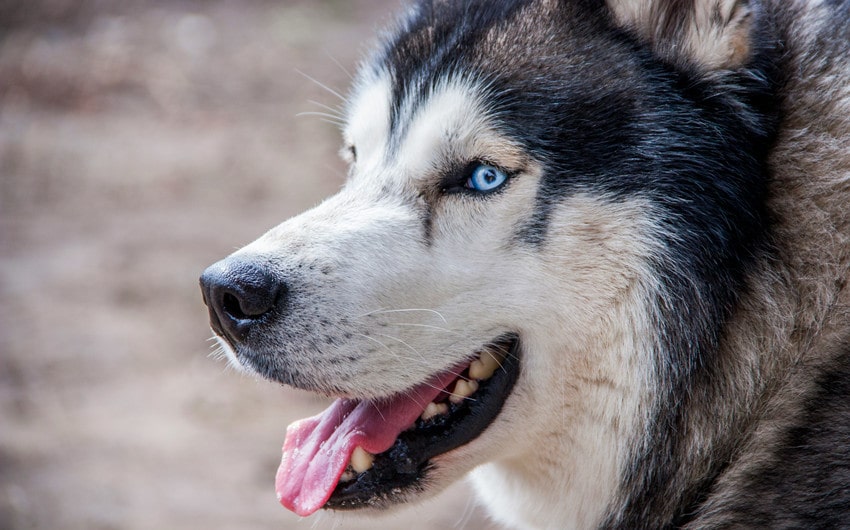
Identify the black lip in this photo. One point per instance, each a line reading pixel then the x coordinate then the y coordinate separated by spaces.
pixel 403 468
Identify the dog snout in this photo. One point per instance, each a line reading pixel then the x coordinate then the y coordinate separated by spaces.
pixel 239 294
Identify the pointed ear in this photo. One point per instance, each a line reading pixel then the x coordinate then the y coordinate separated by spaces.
pixel 705 34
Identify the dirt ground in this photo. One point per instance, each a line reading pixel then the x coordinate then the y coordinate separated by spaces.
pixel 141 141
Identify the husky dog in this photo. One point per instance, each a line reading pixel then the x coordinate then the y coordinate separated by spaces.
pixel 594 252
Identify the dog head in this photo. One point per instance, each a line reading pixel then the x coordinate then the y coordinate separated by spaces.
pixel 523 215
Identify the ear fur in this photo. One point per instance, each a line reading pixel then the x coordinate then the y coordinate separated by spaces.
pixel 708 35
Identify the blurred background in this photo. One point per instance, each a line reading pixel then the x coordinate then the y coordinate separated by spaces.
pixel 141 141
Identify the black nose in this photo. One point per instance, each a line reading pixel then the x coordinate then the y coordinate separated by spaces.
pixel 239 294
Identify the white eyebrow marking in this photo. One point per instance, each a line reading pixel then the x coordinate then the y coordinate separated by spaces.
pixel 368 123
pixel 444 127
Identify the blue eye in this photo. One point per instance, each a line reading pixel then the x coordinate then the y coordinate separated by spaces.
pixel 486 178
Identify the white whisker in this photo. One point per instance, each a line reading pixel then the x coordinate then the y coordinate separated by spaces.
pixel 390 350
pixel 341 67
pixel 427 326
pixel 408 346
pixel 408 310
pixel 424 363
pixel 379 410
pixel 422 357
pixel 329 118
pixel 322 85
pixel 334 111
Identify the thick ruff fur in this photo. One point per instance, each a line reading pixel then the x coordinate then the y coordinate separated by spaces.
pixel 671 247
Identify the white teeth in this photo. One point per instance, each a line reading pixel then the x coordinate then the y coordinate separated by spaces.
pixel 463 389
pixel 486 365
pixel 482 368
pixel 361 460
pixel 434 409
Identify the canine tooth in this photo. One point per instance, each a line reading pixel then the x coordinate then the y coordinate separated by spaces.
pixel 361 460
pixel 434 409
pixel 463 389
pixel 486 365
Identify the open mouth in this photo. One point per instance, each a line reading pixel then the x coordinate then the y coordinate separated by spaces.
pixel 360 453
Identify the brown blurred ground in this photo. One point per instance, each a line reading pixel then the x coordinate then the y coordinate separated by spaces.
pixel 139 142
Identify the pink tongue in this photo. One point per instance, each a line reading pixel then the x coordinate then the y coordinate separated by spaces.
pixel 317 450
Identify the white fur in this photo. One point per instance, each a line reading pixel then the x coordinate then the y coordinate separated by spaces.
pixel 421 310
pixel 368 119
pixel 569 469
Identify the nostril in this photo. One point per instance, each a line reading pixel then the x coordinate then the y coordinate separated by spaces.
pixel 248 301
pixel 239 294
pixel 231 305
